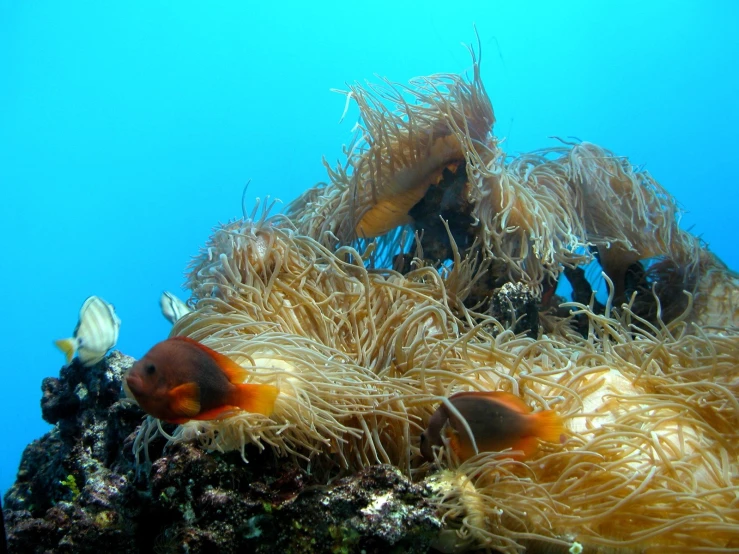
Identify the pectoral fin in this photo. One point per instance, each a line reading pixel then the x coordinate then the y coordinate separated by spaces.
pixel 185 400
pixel 458 444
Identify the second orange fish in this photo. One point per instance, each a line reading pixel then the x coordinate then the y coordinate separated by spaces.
pixel 498 420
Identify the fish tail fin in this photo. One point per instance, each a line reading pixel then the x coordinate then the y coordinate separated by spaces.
pixel 68 346
pixel 549 426
pixel 255 398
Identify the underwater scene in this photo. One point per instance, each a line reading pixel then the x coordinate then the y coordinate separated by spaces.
pixel 358 278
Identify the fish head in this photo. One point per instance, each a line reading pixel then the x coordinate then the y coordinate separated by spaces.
pixel 431 437
pixel 148 383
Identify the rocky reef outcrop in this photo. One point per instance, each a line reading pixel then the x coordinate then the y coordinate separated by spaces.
pixel 80 490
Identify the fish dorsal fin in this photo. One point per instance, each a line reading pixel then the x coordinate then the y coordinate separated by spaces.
pixel 234 372
pixel 506 398
pixel 185 400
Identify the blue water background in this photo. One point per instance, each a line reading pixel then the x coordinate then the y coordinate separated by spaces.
pixel 129 129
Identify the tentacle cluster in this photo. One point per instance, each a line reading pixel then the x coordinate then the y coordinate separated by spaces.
pixel 363 355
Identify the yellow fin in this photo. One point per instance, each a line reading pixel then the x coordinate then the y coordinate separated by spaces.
pixel 527 445
pixel 258 399
pixel 234 372
pixel 186 399
pixel 68 346
pixel 463 450
pixel 548 426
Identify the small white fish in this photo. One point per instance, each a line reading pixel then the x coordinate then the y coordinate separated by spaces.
pixel 95 334
pixel 172 307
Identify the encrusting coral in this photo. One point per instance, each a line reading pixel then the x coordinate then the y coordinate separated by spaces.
pixel 363 354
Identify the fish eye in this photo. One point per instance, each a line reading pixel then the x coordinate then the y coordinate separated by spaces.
pixel 150 369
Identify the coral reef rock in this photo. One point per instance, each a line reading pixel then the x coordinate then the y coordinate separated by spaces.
pixel 79 490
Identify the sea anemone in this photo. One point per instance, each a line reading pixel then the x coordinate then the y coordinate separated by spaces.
pixel 425 162
pixel 322 328
pixel 364 354
pixel 650 462
pixel 407 138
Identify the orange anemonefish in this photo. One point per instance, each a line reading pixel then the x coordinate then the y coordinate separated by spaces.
pixel 497 420
pixel 180 379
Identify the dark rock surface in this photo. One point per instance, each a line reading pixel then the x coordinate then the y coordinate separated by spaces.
pixel 516 306
pixel 79 490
